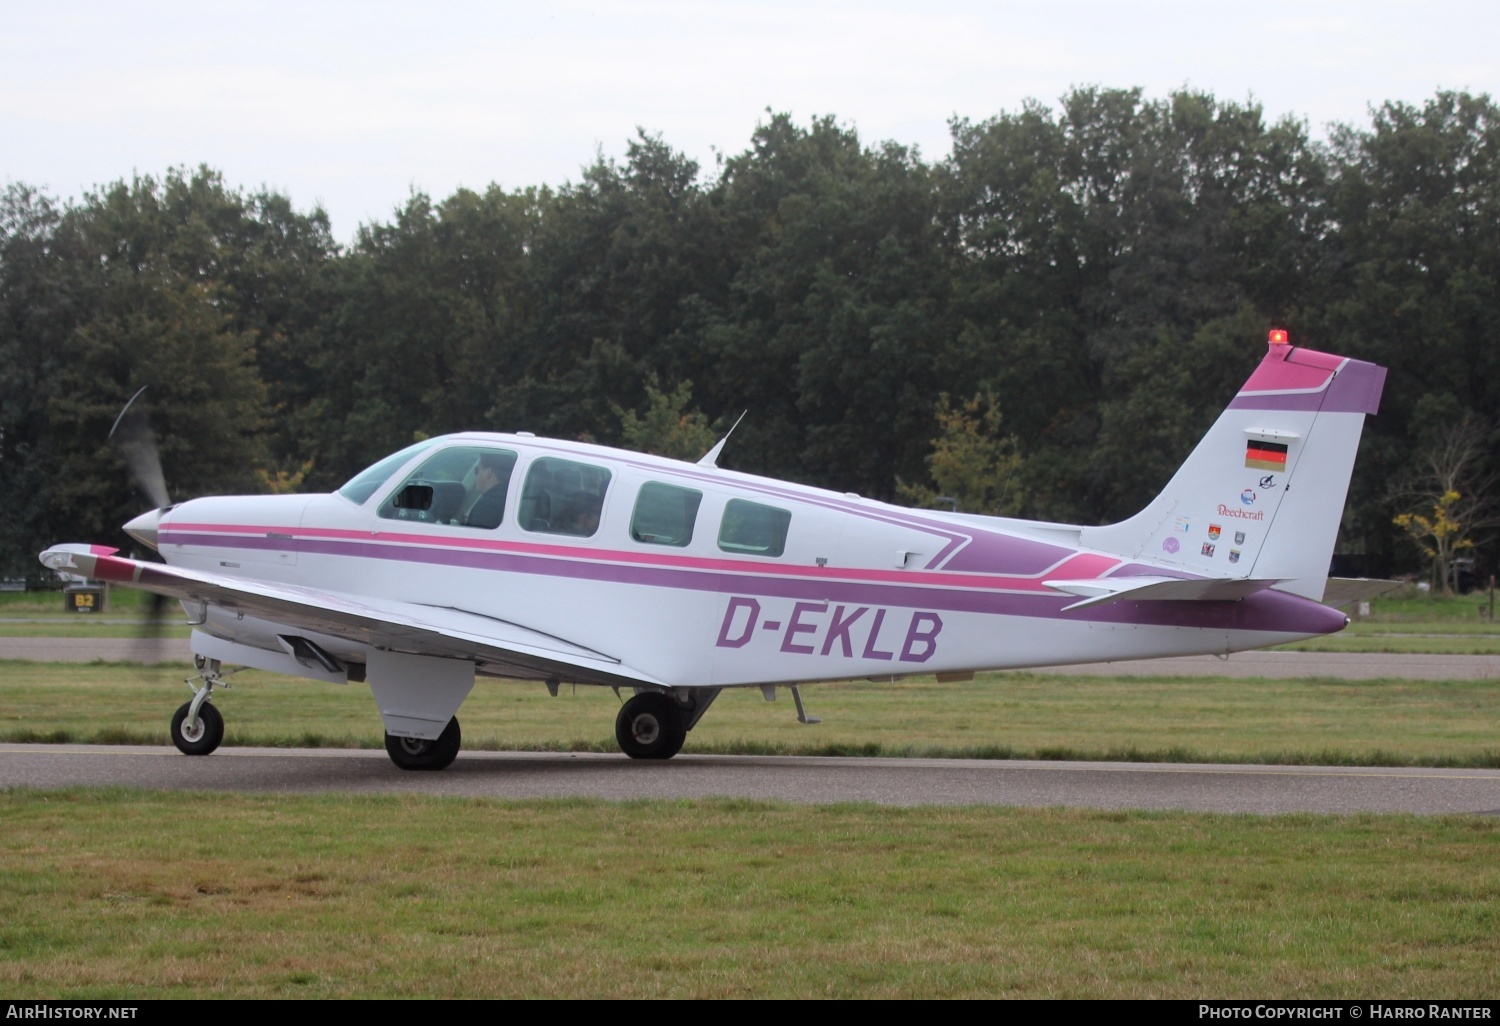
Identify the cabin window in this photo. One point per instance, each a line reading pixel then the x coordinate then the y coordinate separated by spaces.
pixel 368 481
pixel 563 497
pixel 752 528
pixel 464 486
pixel 664 514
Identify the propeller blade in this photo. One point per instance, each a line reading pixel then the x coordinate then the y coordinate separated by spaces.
pixel 133 439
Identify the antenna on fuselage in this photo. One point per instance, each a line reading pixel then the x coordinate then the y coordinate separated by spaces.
pixel 711 458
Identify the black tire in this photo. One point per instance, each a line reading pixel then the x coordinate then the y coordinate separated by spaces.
pixel 650 727
pixel 410 753
pixel 198 738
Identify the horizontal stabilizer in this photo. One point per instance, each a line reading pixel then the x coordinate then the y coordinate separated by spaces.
pixel 1103 590
pixel 1343 590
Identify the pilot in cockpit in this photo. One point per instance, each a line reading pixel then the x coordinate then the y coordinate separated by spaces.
pixel 491 477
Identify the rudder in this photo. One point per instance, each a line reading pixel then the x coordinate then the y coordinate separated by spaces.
pixel 1262 495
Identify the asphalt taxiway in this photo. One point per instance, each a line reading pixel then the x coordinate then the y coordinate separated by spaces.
pixel 1094 785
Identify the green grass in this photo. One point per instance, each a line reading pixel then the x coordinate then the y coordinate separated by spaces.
pixel 1012 715
pixel 40 614
pixel 122 601
pixel 121 894
pixel 1423 639
pixel 76 626
pixel 1410 621
pixel 1408 605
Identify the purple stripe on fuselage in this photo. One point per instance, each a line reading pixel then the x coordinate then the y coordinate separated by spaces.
pixel 1264 611
pixel 997 554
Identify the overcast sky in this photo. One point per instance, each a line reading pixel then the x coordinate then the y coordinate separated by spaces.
pixel 353 105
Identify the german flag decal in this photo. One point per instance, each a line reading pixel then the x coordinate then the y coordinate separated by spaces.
pixel 1265 456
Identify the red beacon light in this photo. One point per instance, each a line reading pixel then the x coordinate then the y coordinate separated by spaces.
pixel 1278 337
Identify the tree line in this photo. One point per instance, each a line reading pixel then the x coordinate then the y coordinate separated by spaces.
pixel 1071 296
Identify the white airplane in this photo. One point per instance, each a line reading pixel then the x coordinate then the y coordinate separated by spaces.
pixel 508 555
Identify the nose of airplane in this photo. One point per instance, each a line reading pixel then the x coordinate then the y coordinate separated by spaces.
pixel 143 528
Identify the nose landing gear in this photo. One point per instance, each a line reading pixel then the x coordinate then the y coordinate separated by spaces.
pixel 197 727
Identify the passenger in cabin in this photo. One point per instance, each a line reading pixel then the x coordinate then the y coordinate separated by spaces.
pixel 580 515
pixel 491 479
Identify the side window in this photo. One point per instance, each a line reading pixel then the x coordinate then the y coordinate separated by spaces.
pixel 664 514
pixel 753 528
pixel 464 486
pixel 563 497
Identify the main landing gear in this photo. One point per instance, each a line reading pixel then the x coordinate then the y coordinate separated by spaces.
pixel 651 726
pixel 413 753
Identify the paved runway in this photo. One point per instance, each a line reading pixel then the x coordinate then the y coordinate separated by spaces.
pixel 1097 785
pixel 1346 665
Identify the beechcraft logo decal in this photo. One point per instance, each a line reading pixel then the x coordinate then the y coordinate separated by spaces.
pixel 1265 456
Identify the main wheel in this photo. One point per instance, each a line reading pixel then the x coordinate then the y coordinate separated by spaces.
pixel 650 727
pixel 413 753
pixel 202 735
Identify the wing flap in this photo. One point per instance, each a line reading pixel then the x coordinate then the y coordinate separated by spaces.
pixel 379 623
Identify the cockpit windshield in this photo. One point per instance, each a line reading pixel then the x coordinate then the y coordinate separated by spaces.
pixel 368 481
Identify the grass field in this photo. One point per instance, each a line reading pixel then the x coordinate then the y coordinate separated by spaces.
pixel 1011 715
pixel 110 894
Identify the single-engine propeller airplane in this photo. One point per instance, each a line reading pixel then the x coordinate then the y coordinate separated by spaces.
pixel 508 555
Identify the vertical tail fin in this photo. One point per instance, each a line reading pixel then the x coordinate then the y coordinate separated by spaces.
pixel 1263 493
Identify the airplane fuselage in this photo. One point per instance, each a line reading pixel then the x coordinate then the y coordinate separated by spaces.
pixel 855 588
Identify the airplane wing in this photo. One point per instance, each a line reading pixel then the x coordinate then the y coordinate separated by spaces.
pixel 1104 590
pixel 503 647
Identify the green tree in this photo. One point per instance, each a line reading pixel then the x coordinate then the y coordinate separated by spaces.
pixel 832 334
pixel 975 468
pixel 141 283
pixel 1111 252
pixel 625 264
pixel 431 324
pixel 1413 281
pixel 1449 495
pixel 668 427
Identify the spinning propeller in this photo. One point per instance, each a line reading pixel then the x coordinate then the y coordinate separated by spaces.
pixel 132 437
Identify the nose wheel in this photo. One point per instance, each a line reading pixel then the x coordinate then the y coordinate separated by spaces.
pixel 200 734
pixel 650 726
pixel 197 727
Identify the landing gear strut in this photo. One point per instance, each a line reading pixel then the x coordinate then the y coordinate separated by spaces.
pixel 650 726
pixel 413 753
